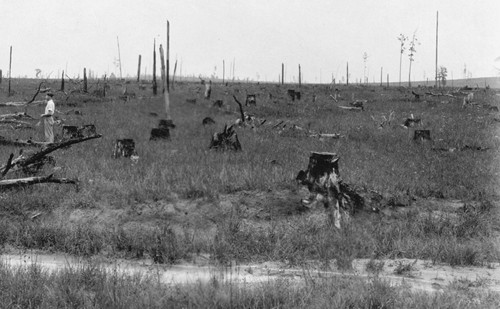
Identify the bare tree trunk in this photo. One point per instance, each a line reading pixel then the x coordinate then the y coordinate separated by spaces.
pixel 282 73
pixel 173 74
pixel 62 81
pixel 84 80
pixel 409 76
pixel 163 81
pixel 10 70
pixel 347 74
pixel 400 64
pixel 119 57
pixel 0 77
pixel 139 69
pixel 167 73
pixel 155 86
pixel 437 23
pixel 223 72
pixel 300 80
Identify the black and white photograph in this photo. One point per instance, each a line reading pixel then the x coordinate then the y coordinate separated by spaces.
pixel 249 154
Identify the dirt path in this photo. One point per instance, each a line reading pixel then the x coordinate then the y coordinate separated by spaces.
pixel 423 276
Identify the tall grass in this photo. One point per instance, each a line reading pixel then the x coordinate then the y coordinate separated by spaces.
pixel 89 286
pixel 384 159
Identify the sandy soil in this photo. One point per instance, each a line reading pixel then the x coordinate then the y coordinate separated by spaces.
pixel 424 276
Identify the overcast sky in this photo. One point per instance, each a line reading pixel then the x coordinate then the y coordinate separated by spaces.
pixel 320 35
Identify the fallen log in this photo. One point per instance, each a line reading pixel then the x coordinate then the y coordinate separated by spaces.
pixel 20 182
pixel 24 161
pixel 19 115
pixel 351 108
pixel 18 104
pixel 20 143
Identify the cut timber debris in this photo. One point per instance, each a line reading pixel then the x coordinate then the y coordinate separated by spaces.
pixel 225 140
pixel 20 182
pixel 359 104
pixel 351 108
pixel 26 161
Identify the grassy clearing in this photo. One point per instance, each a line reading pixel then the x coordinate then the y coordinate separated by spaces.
pixel 89 286
pixel 383 159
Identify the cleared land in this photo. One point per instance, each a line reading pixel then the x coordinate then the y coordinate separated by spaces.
pixel 438 200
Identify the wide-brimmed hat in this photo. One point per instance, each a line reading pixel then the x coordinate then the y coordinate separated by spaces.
pixel 49 93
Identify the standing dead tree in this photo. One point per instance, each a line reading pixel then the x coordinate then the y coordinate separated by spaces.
pixel 402 40
pixel 411 54
pixel 155 86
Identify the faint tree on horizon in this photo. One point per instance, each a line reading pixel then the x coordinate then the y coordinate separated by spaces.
pixel 412 50
pixel 402 39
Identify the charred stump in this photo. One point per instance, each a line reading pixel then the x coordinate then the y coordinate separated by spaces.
pixel 251 100
pixel 225 140
pixel 208 121
pixel 411 122
pixel 124 148
pixel 422 135
pixel 324 184
pixel 293 94
pixel 69 132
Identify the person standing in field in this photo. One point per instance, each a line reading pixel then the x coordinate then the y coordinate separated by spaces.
pixel 48 119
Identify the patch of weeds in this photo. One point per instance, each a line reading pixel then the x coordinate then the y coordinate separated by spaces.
pixel 84 239
pixel 167 249
pixel 405 268
pixel 464 284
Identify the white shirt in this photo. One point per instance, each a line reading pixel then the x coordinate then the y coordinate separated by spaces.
pixel 50 108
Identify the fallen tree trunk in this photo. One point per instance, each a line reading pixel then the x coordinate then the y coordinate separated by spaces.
pixel 19 115
pixel 351 108
pixel 20 143
pixel 20 182
pixel 20 103
pixel 24 161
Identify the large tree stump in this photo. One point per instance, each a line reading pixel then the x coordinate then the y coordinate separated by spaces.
pixel 124 148
pixel 163 130
pixel 323 181
pixel 251 100
pixel 293 94
pixel 422 135
pixel 226 140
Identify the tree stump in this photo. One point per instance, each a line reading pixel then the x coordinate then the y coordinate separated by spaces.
pixel 208 121
pixel 69 132
pixel 422 135
pixel 411 122
pixel 251 100
pixel 226 140
pixel 124 148
pixel 323 182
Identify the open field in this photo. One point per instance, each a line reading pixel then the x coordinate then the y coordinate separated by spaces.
pixel 180 200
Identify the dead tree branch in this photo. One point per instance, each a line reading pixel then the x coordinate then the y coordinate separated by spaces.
pixel 12 183
pixel 242 114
